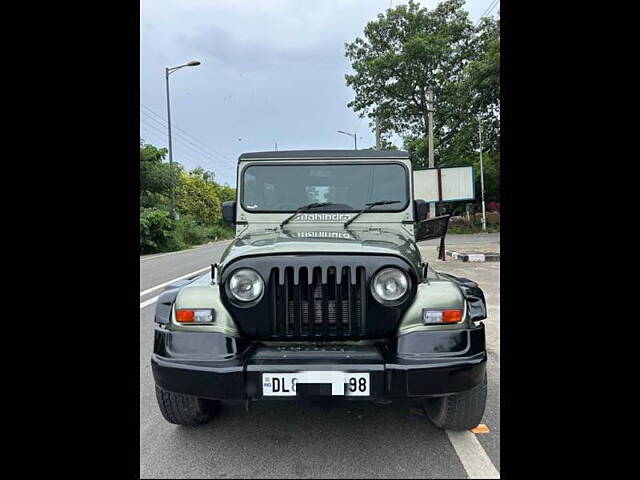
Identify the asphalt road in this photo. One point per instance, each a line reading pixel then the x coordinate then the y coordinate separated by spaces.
pixel 284 440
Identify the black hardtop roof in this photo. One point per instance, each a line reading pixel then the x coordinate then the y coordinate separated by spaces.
pixel 321 154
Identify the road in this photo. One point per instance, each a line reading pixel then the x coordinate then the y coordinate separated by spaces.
pixel 283 440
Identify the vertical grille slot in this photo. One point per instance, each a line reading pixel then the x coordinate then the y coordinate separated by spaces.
pixel 318 302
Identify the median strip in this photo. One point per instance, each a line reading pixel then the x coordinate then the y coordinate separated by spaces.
pixel 149 290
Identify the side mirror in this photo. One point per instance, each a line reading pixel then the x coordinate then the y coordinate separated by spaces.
pixel 420 209
pixel 229 212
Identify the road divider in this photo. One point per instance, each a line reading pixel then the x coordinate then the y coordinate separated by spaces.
pixel 149 290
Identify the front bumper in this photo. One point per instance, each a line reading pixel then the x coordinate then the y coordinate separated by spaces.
pixel 422 364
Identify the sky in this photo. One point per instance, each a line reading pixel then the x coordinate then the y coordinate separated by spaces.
pixel 272 71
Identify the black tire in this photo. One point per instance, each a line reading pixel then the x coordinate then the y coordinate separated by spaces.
pixel 184 410
pixel 461 411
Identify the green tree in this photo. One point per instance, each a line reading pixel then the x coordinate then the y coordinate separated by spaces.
pixel 198 200
pixel 155 177
pixel 156 231
pixel 409 50
pixel 196 196
pixel 404 54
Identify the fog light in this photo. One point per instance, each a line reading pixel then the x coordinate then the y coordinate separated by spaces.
pixel 195 316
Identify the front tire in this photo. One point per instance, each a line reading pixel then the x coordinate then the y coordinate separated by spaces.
pixel 184 410
pixel 461 411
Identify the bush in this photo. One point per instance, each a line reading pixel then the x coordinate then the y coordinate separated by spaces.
pixel 156 231
pixel 198 203
pixel 190 232
pixel 220 231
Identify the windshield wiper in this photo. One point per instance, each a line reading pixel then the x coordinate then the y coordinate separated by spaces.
pixel 302 209
pixel 368 207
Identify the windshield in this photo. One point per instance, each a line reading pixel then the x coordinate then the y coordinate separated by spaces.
pixel 349 187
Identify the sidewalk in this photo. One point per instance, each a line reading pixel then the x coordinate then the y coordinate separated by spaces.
pixel 475 243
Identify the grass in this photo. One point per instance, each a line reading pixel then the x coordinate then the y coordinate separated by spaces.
pixel 461 228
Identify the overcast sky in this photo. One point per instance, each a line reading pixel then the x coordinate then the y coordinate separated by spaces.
pixel 272 71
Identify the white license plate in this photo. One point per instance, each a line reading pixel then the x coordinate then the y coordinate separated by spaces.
pixel 342 383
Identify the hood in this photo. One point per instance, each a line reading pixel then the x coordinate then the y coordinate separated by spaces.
pixel 324 239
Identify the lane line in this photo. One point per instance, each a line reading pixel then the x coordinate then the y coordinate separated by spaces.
pixel 148 302
pixel 474 459
pixel 149 290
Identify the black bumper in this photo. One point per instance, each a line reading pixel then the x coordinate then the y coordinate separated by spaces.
pixel 424 364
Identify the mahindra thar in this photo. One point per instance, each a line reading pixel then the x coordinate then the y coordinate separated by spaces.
pixel 323 292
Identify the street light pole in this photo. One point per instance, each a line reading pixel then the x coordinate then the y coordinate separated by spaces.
pixel 355 138
pixel 432 205
pixel 484 216
pixel 167 72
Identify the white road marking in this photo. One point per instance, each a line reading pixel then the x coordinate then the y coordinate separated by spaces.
pixel 149 290
pixel 148 302
pixel 475 460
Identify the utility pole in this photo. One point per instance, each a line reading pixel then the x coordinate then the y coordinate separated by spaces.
pixel 276 146
pixel 173 192
pixel 377 134
pixel 432 205
pixel 167 72
pixel 484 216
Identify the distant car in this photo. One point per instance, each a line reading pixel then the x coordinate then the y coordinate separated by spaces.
pixel 323 293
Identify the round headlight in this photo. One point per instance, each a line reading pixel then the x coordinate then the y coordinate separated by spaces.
pixel 246 285
pixel 389 285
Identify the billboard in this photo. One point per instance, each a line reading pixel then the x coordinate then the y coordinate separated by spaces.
pixel 444 184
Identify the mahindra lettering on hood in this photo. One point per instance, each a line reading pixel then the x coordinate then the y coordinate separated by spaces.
pixel 323 293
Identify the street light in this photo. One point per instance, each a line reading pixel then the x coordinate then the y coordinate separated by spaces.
pixel 168 71
pixel 484 215
pixel 355 141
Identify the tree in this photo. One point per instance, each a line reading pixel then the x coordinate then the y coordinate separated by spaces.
pixel 404 54
pixel 409 50
pixel 155 177
pixel 196 196
pixel 156 230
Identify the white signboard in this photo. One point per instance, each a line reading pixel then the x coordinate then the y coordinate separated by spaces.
pixel 457 184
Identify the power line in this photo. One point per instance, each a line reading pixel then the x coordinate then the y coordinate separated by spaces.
pixel 197 160
pixel 180 141
pixel 491 5
pixel 164 123
pixel 195 148
pixel 182 153
pixel 198 149
pixel 487 10
pixel 203 145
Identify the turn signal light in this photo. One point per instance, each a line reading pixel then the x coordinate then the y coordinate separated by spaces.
pixel 194 316
pixel 185 315
pixel 451 316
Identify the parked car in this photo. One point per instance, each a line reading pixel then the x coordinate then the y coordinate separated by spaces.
pixel 323 293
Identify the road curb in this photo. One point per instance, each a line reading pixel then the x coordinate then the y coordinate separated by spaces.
pixel 473 257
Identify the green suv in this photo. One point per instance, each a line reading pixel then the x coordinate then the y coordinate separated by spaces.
pixel 323 293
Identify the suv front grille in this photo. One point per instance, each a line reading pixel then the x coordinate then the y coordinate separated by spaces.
pixel 316 298
pixel 318 301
